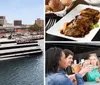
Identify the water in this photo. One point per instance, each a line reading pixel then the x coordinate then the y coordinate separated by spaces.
pixel 23 71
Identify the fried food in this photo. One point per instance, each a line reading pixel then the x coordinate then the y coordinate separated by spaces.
pixel 47 8
pixel 66 2
pixel 46 2
pixel 56 5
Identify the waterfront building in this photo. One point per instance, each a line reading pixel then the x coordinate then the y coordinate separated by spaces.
pixel 17 22
pixel 2 20
pixel 39 22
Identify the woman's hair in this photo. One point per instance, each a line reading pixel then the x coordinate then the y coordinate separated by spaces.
pixel 68 52
pixel 53 55
pixel 94 54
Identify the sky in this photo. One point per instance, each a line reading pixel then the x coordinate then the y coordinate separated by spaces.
pixel 26 10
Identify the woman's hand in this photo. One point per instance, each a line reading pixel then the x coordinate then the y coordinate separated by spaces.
pixel 97 80
pixel 84 70
pixel 72 78
pixel 86 63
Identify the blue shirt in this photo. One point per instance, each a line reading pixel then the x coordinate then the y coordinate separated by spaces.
pixel 61 79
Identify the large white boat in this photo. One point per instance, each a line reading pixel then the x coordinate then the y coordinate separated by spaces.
pixel 10 49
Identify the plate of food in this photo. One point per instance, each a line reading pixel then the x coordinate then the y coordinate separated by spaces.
pixel 58 7
pixel 80 24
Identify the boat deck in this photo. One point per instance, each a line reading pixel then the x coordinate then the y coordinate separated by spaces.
pixel 12 45
pixel 9 48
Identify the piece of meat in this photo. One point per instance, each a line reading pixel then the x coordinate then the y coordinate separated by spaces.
pixel 90 11
pixel 80 26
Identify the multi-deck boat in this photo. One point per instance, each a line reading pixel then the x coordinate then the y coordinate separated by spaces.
pixel 10 49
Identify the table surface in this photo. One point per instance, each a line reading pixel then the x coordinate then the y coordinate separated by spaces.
pixel 49 37
pixel 91 83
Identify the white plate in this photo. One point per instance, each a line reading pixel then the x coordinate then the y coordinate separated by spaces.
pixel 55 30
pixel 93 2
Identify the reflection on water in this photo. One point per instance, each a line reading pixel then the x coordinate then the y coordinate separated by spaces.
pixel 24 71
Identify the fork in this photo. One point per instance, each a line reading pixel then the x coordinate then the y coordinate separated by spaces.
pixel 50 23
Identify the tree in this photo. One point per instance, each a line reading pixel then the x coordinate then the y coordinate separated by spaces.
pixel 35 27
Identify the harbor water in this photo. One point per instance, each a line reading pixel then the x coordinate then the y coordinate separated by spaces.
pixel 23 71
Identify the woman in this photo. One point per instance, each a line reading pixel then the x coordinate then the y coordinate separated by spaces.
pixel 94 75
pixel 56 62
